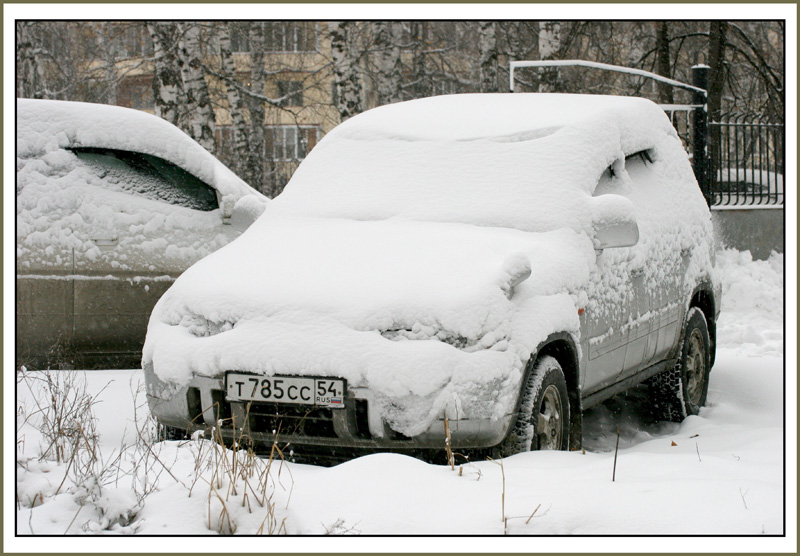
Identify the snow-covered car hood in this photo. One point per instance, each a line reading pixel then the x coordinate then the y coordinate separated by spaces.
pixel 375 274
pixel 404 308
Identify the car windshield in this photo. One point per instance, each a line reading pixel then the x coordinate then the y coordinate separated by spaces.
pixel 529 162
pixel 148 176
pixel 526 184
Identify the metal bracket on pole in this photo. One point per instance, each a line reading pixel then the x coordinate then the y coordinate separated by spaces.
pixel 598 65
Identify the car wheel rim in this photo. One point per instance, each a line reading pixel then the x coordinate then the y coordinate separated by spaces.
pixel 549 420
pixel 695 368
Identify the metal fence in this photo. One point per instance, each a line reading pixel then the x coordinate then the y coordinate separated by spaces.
pixel 681 117
pixel 745 157
pixel 747 161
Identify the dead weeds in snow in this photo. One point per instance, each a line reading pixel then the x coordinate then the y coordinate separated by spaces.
pixel 238 480
pixel 61 409
pixel 110 492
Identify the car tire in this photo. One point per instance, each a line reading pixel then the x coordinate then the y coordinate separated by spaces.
pixel 543 419
pixel 682 390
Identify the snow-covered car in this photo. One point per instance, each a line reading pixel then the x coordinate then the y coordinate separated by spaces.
pixel 112 205
pixel 487 264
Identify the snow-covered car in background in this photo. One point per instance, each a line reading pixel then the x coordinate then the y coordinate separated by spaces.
pixel 112 205
pixel 501 261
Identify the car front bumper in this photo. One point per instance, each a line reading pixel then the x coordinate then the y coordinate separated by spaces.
pixel 201 405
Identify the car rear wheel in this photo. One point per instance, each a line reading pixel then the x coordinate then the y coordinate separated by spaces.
pixel 682 390
pixel 543 420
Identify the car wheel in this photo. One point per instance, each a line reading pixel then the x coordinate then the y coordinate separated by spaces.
pixel 543 420
pixel 682 390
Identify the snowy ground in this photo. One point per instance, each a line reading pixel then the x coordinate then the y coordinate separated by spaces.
pixel 721 472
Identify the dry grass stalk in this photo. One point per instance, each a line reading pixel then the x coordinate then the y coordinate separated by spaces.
pixel 65 417
pixel 503 494
pixel 64 414
pixel 616 449
pixel 234 471
pixel 532 514
pixel 448 446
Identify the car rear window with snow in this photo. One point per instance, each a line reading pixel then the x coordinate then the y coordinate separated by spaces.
pixel 148 176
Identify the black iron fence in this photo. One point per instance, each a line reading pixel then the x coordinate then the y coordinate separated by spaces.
pixel 746 161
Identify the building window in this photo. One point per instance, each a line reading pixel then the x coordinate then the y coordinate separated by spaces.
pixel 136 93
pixel 290 36
pixel 132 41
pixel 279 36
pixel 223 141
pixel 444 86
pixel 290 93
pixel 290 142
pixel 240 42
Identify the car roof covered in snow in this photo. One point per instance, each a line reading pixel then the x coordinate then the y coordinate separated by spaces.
pixel 504 116
pixel 525 161
pixel 47 125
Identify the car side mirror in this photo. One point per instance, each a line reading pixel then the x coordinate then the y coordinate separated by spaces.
pixel 246 211
pixel 611 234
pixel 614 222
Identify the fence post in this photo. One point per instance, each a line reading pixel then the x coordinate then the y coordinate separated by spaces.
pixel 700 160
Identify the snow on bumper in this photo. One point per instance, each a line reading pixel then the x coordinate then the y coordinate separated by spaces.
pixel 408 385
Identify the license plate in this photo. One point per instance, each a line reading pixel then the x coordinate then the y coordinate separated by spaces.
pixel 326 392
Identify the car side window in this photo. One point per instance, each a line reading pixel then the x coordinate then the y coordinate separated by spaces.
pixel 639 160
pixel 611 180
pixel 622 174
pixel 650 186
pixel 148 176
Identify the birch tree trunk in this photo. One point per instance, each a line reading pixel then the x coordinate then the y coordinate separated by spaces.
pixel 29 84
pixel 241 146
pixel 349 96
pixel 201 116
pixel 520 42
pixel 254 170
pixel 110 67
pixel 168 92
pixel 422 86
pixel 549 45
pixel 389 76
pixel 487 56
